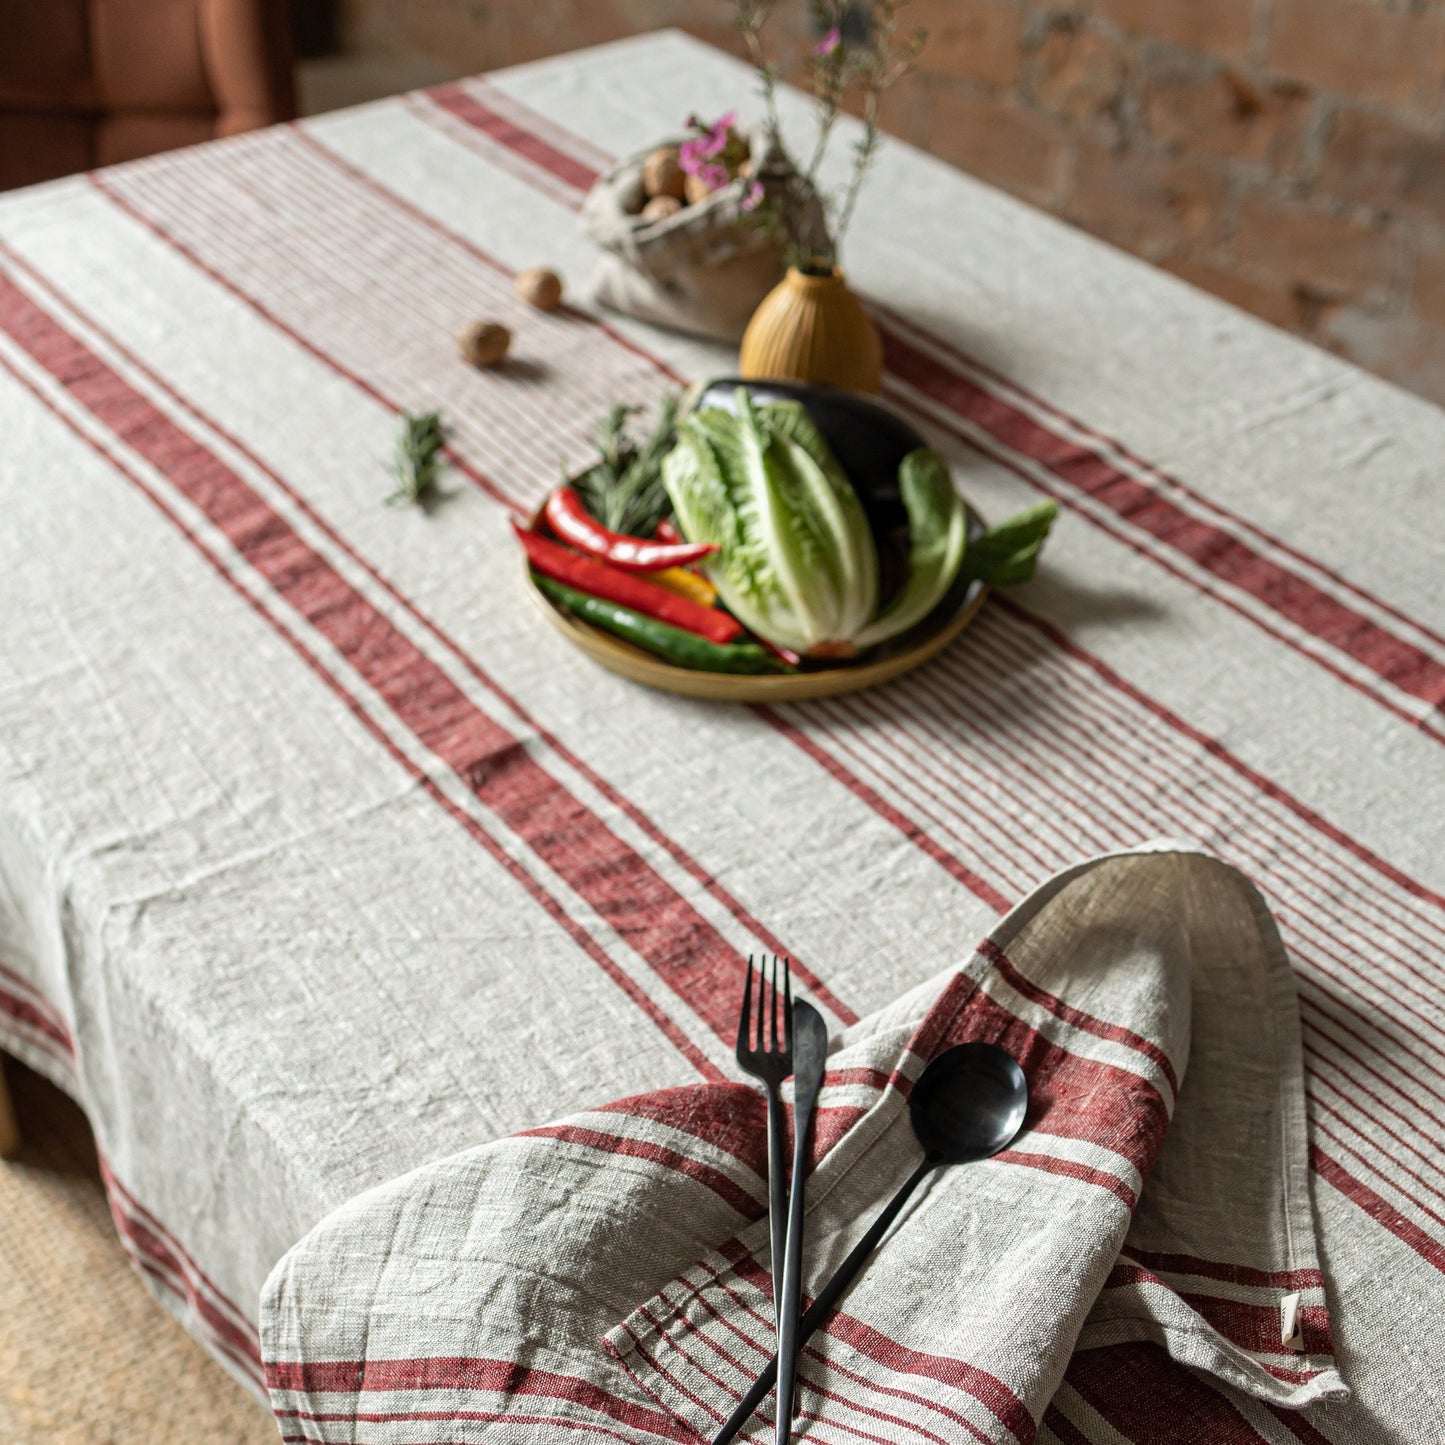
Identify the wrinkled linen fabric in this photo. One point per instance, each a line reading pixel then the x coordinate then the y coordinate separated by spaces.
pixel 610 1272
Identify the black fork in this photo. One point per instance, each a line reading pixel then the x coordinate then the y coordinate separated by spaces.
pixel 765 1052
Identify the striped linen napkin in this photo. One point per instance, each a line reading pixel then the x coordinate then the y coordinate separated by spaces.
pixel 607 1276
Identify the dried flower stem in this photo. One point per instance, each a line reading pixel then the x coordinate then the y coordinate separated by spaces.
pixel 752 16
pixel 873 65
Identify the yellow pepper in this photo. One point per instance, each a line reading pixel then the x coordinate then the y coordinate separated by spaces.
pixel 685 584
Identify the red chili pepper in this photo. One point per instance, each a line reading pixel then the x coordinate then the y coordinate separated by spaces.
pixel 589 575
pixel 572 522
pixel 665 531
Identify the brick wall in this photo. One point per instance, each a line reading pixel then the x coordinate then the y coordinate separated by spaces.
pixel 1288 155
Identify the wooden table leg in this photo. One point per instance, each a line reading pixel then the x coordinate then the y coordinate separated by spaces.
pixel 9 1129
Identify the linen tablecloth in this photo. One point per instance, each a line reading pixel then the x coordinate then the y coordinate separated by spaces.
pixel 315 844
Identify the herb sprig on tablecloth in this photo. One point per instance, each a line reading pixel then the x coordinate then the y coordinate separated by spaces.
pixel 623 489
pixel 418 459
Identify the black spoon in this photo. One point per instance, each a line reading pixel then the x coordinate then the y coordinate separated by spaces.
pixel 967 1104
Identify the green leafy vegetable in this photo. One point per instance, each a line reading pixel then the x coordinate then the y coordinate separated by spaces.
pixel 1006 554
pixel 623 489
pixel 418 459
pixel 937 536
pixel 795 560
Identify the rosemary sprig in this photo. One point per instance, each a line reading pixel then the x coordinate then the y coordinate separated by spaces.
pixel 624 490
pixel 418 460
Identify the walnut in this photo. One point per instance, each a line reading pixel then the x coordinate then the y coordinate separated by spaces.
pixel 659 208
pixel 695 189
pixel 661 174
pixel 541 288
pixel 484 343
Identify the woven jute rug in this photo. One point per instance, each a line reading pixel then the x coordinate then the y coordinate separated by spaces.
pixel 87 1357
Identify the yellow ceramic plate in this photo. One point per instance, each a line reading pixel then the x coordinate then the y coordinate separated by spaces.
pixel 880 664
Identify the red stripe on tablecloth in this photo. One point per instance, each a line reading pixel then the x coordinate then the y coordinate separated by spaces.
pixel 1077 1018
pixel 1067 1432
pixel 123 1198
pixel 733 1118
pixel 27 990
pixel 23 1011
pixel 677 1344
pixel 455 100
pixel 1166 479
pixel 145 1237
pixel 702 875
pixel 1295 599
pixel 1256 780
pixel 1242 1274
pixel 400 203
pixel 1063 784
pixel 1319 1106
pixel 1009 460
pixel 147 1246
pixel 1253 1327
pixel 455 729
pixel 1297 1425
pixel 1143 1394
pixel 165 1283
pixel 1009 1406
pixel 500 1377
pixel 987 1389
pixel 1383 1213
pixel 855 785
pixel 1072 1169
pixel 714 1179
pixel 102 184
pixel 1071 1096
pixel 483 1417
pixel 1084 469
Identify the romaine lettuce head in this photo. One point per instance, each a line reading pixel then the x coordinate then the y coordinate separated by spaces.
pixel 795 562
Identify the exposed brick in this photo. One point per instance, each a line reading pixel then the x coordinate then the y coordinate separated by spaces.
pixel 1149 204
pixel 1216 27
pixel 1381 163
pixel 1215 110
pixel 1427 295
pixel 977 40
pixel 1286 241
pixel 907 110
pixel 1277 303
pixel 1078 72
pixel 1360 50
pixel 998 140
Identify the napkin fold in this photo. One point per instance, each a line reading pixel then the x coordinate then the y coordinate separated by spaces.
pixel 608 1275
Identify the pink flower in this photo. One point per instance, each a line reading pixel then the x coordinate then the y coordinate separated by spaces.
pixel 692 156
pixel 753 196
pixel 829 43
pixel 714 177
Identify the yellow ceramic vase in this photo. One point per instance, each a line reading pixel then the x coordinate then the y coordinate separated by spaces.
pixel 813 328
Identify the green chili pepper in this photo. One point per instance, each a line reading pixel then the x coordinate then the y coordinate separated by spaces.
pixel 686 649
